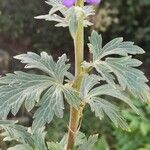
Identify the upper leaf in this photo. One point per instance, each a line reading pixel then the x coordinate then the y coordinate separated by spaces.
pixel 116 46
pixel 46 90
pixel 45 63
pixel 56 5
pixel 67 14
pixel 129 77
pixel 122 68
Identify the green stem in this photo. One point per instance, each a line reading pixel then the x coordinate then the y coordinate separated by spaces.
pixel 76 115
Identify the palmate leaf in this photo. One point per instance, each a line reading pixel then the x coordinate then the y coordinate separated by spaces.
pixel 53 104
pixel 123 68
pixel 28 140
pixel 48 91
pixel 116 46
pixel 128 76
pixel 101 106
pixel 19 87
pixel 45 63
pixel 15 132
pixel 93 92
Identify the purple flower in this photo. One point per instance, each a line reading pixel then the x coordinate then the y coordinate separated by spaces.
pixel 93 2
pixel 70 3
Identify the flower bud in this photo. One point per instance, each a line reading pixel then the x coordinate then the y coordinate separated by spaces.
pixel 69 3
pixel 93 2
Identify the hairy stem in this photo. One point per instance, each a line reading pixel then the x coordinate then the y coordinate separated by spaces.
pixel 76 115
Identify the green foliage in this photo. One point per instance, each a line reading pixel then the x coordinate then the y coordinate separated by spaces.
pixel 89 143
pixel 15 132
pixel 93 96
pixel 123 68
pixel 46 91
pixel 55 146
pixel 28 140
pixel 81 143
pixel 117 77
pixel 139 137
pixel 71 16
pixel 102 144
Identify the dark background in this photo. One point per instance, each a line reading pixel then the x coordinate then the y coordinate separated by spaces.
pixel 20 32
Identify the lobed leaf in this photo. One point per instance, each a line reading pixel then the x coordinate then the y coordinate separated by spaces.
pixel 45 63
pixel 115 46
pixel 16 132
pixel 94 93
pixel 129 77
pixel 121 68
pixel 101 106
pixel 27 140
pixel 19 87
pixel 88 145
pixel 48 91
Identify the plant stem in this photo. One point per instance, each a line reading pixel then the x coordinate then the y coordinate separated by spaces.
pixel 76 115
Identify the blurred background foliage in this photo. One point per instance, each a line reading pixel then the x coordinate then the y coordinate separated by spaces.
pixel 20 32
